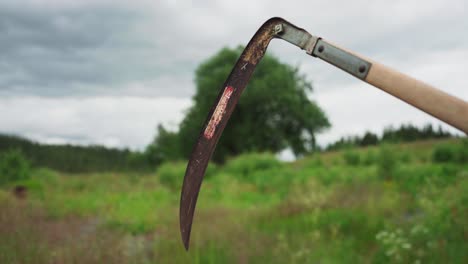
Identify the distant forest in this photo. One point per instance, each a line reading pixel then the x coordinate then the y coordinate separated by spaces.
pixel 75 159
pixel 404 133
pixel 78 159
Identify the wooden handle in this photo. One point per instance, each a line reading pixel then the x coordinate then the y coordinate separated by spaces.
pixel 437 103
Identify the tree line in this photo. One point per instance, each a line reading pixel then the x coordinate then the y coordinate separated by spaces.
pixel 78 159
pixel 404 133
pixel 74 159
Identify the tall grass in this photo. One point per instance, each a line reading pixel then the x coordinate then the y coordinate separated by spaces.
pixel 394 206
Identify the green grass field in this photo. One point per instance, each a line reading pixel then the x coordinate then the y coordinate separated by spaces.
pixel 389 204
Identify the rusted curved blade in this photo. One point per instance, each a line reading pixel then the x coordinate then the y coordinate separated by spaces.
pixel 222 110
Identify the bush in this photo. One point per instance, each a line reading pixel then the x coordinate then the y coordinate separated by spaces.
pixel 405 157
pixel 463 155
pixel 463 152
pixel 414 178
pixel 451 153
pixel 171 174
pixel 274 180
pixel 351 158
pixel 444 153
pixel 386 163
pixel 13 167
pixel 263 170
pixel 245 165
pixel 317 162
pixel 47 176
pixel 369 158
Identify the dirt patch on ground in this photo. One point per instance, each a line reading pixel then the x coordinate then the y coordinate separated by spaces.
pixel 30 236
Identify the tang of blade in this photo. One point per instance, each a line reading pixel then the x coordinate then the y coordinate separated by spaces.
pixel 223 108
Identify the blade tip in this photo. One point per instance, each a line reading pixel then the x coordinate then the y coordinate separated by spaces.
pixel 185 237
pixel 186 241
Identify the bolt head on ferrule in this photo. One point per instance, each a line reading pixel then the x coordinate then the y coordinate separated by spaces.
pixel 278 29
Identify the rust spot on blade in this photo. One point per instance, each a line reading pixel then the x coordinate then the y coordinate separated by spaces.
pixel 218 112
pixel 254 55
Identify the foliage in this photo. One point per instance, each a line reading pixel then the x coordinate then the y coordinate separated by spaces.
pixel 369 139
pixel 451 153
pixel 370 157
pixel 409 132
pixel 387 162
pixel 171 174
pixel 13 167
pixel 243 166
pixel 351 158
pixel 273 113
pixel 404 133
pixel 263 170
pixel 165 147
pixel 75 159
pixel 444 153
pixel 416 177
pixel 463 152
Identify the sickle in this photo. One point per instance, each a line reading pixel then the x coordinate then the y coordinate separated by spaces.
pixel 445 107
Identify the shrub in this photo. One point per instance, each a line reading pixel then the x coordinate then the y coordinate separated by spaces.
pixel 314 162
pixel 463 152
pixel 444 153
pixel 457 153
pixel 386 163
pixel 171 174
pixel 351 158
pixel 414 178
pixel 47 176
pixel 263 170
pixel 405 157
pixel 245 165
pixel 370 158
pixel 13 167
pixel 317 162
pixel 274 180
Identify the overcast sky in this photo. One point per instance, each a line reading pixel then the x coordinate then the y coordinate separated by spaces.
pixel 107 72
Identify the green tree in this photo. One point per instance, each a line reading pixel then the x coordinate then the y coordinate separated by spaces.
pixel 369 139
pixel 273 113
pixel 74 159
pixel 387 163
pixel 164 147
pixel 13 167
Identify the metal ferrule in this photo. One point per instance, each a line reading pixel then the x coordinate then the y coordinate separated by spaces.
pixel 317 47
pixel 296 36
pixel 342 59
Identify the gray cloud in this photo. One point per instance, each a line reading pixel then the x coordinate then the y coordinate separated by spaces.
pixel 105 47
pixel 84 51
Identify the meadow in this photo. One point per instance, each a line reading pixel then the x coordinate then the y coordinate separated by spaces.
pixel 400 203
